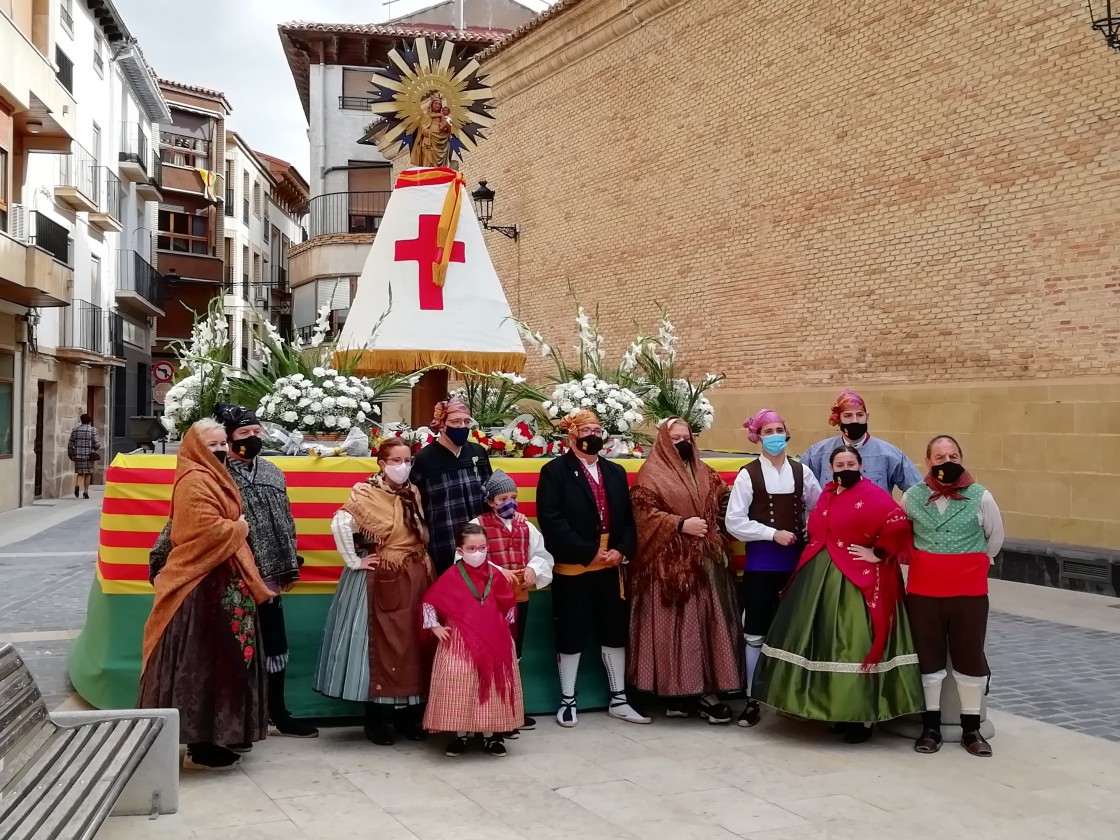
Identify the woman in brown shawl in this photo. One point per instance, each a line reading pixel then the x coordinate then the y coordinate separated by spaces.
pixel 371 650
pixel 685 640
pixel 201 640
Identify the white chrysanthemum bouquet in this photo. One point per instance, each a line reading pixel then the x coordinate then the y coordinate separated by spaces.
pixel 324 402
pixel 619 409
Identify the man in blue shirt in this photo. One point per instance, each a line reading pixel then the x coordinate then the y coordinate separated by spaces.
pixel 883 463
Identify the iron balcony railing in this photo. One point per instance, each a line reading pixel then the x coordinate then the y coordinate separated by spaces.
pixel 354 103
pixel 231 202
pixel 79 170
pixel 84 327
pixel 65 73
pixel 349 212
pixel 50 236
pixel 135 147
pixel 115 332
pixel 196 146
pixel 112 194
pixel 280 279
pixel 157 172
pixel 136 274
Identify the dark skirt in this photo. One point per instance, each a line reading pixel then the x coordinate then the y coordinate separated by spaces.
pixel 199 668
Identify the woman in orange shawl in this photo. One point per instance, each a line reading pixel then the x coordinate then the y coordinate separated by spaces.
pixel 200 642
pixel 685 640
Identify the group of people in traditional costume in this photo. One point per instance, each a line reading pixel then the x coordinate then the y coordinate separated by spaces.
pixel 428 621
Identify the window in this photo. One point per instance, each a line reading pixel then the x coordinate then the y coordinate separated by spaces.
pixel 67 14
pixel 95 280
pixel 3 190
pixel 184 150
pixel 357 90
pixel 134 334
pixel 257 199
pixel 257 269
pixel 7 402
pixel 65 73
pixel 99 53
pixel 179 231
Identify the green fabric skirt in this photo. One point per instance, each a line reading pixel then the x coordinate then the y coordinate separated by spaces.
pixel 810 665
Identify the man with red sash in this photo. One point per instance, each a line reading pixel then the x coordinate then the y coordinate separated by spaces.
pixel 957 531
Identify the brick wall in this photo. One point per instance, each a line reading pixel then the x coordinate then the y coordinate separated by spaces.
pixel 881 195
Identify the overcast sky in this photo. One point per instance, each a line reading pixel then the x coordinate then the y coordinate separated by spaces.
pixel 233 46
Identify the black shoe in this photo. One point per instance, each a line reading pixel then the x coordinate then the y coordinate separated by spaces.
pixel 289 727
pixel 530 724
pixel 456 747
pixel 85 495
pixel 75 492
pixel 378 729
pixel 751 714
pixel 210 757
pixel 411 722
pixel 242 748
pixel 495 746
pixel 512 735
pixel 857 733
pixel 715 713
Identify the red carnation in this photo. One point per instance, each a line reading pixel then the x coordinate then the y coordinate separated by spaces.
pixel 236 626
pixel 249 652
pixel 238 611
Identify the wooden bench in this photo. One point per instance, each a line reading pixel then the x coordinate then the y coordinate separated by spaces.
pixel 60 778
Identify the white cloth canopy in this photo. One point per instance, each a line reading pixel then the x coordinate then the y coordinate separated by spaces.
pixel 400 320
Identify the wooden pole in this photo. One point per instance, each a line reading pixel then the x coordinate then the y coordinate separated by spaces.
pixel 431 388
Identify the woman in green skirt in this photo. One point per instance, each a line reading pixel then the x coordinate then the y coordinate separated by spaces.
pixel 840 648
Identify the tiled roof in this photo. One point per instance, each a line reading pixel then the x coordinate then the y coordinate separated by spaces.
pixel 548 14
pixel 213 94
pixel 282 169
pixel 472 34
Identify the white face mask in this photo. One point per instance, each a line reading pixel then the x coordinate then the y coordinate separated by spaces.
pixel 397 473
pixel 474 559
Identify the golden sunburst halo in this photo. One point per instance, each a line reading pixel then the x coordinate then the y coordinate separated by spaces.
pixel 410 78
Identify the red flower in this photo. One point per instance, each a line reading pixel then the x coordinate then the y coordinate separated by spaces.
pixel 242 638
pixel 498 446
pixel 533 451
pixel 236 626
pixel 237 611
pixel 248 652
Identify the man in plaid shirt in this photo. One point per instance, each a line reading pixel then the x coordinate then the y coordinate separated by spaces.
pixel 449 474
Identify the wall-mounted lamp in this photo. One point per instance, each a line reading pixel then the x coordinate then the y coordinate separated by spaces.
pixel 484 206
pixel 1107 24
pixel 34 126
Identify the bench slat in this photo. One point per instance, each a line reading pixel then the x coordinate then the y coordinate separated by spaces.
pixel 10 662
pixel 24 725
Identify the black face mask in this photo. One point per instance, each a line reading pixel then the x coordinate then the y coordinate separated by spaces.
pixel 458 436
pixel 854 431
pixel 948 473
pixel 591 445
pixel 248 448
pixel 684 449
pixel 220 454
pixel 847 478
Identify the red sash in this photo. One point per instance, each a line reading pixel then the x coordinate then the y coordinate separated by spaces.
pixel 948 575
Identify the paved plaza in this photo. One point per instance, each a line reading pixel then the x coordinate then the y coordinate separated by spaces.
pixel 1054 775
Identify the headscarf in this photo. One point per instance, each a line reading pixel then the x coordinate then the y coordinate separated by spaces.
pixel 583 417
pixel 206 531
pixel 847 401
pixel 235 417
pixel 455 405
pixel 667 490
pixel 948 491
pixel 754 424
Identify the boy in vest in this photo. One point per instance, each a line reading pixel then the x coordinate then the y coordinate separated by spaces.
pixel 767 510
pixel 957 531
pixel 514 545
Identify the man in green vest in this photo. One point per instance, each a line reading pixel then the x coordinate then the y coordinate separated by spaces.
pixel 957 531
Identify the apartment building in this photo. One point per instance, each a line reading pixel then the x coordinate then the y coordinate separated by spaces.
pixel 190 224
pixel 284 228
pixel 77 290
pixel 350 179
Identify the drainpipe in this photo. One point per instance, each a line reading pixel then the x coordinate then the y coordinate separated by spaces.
pixel 322 141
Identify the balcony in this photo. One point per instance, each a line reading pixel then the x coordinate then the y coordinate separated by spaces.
pixel 352 212
pixel 30 274
pixel 185 179
pixel 115 331
pixel 78 185
pixel 107 219
pixel 135 158
pixel 149 190
pixel 354 103
pixel 65 72
pixel 231 201
pixel 84 333
pixel 139 286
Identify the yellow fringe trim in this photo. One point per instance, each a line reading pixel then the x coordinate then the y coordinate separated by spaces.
pixel 375 362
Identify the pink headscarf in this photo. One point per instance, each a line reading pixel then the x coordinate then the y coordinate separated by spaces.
pixel 754 424
pixel 847 401
pixel 455 405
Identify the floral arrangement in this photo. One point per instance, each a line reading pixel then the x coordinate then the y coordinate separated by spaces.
pixel 326 402
pixel 668 393
pixel 495 398
pixel 619 409
pixel 201 382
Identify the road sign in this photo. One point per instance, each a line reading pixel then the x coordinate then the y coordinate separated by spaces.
pixel 159 393
pixel 163 371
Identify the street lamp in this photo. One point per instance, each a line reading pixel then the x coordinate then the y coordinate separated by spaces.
pixel 1108 25
pixel 484 205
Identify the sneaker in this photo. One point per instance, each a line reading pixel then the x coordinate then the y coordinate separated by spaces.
pixel 751 714
pixel 715 713
pixel 242 748
pixel 495 746
pixel 210 757
pixel 566 715
pixel 292 728
pixel 530 724
pixel 679 709
pixel 622 710
pixel 512 735
pixel 456 747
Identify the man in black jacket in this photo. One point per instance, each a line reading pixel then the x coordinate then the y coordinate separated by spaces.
pixel 583 509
